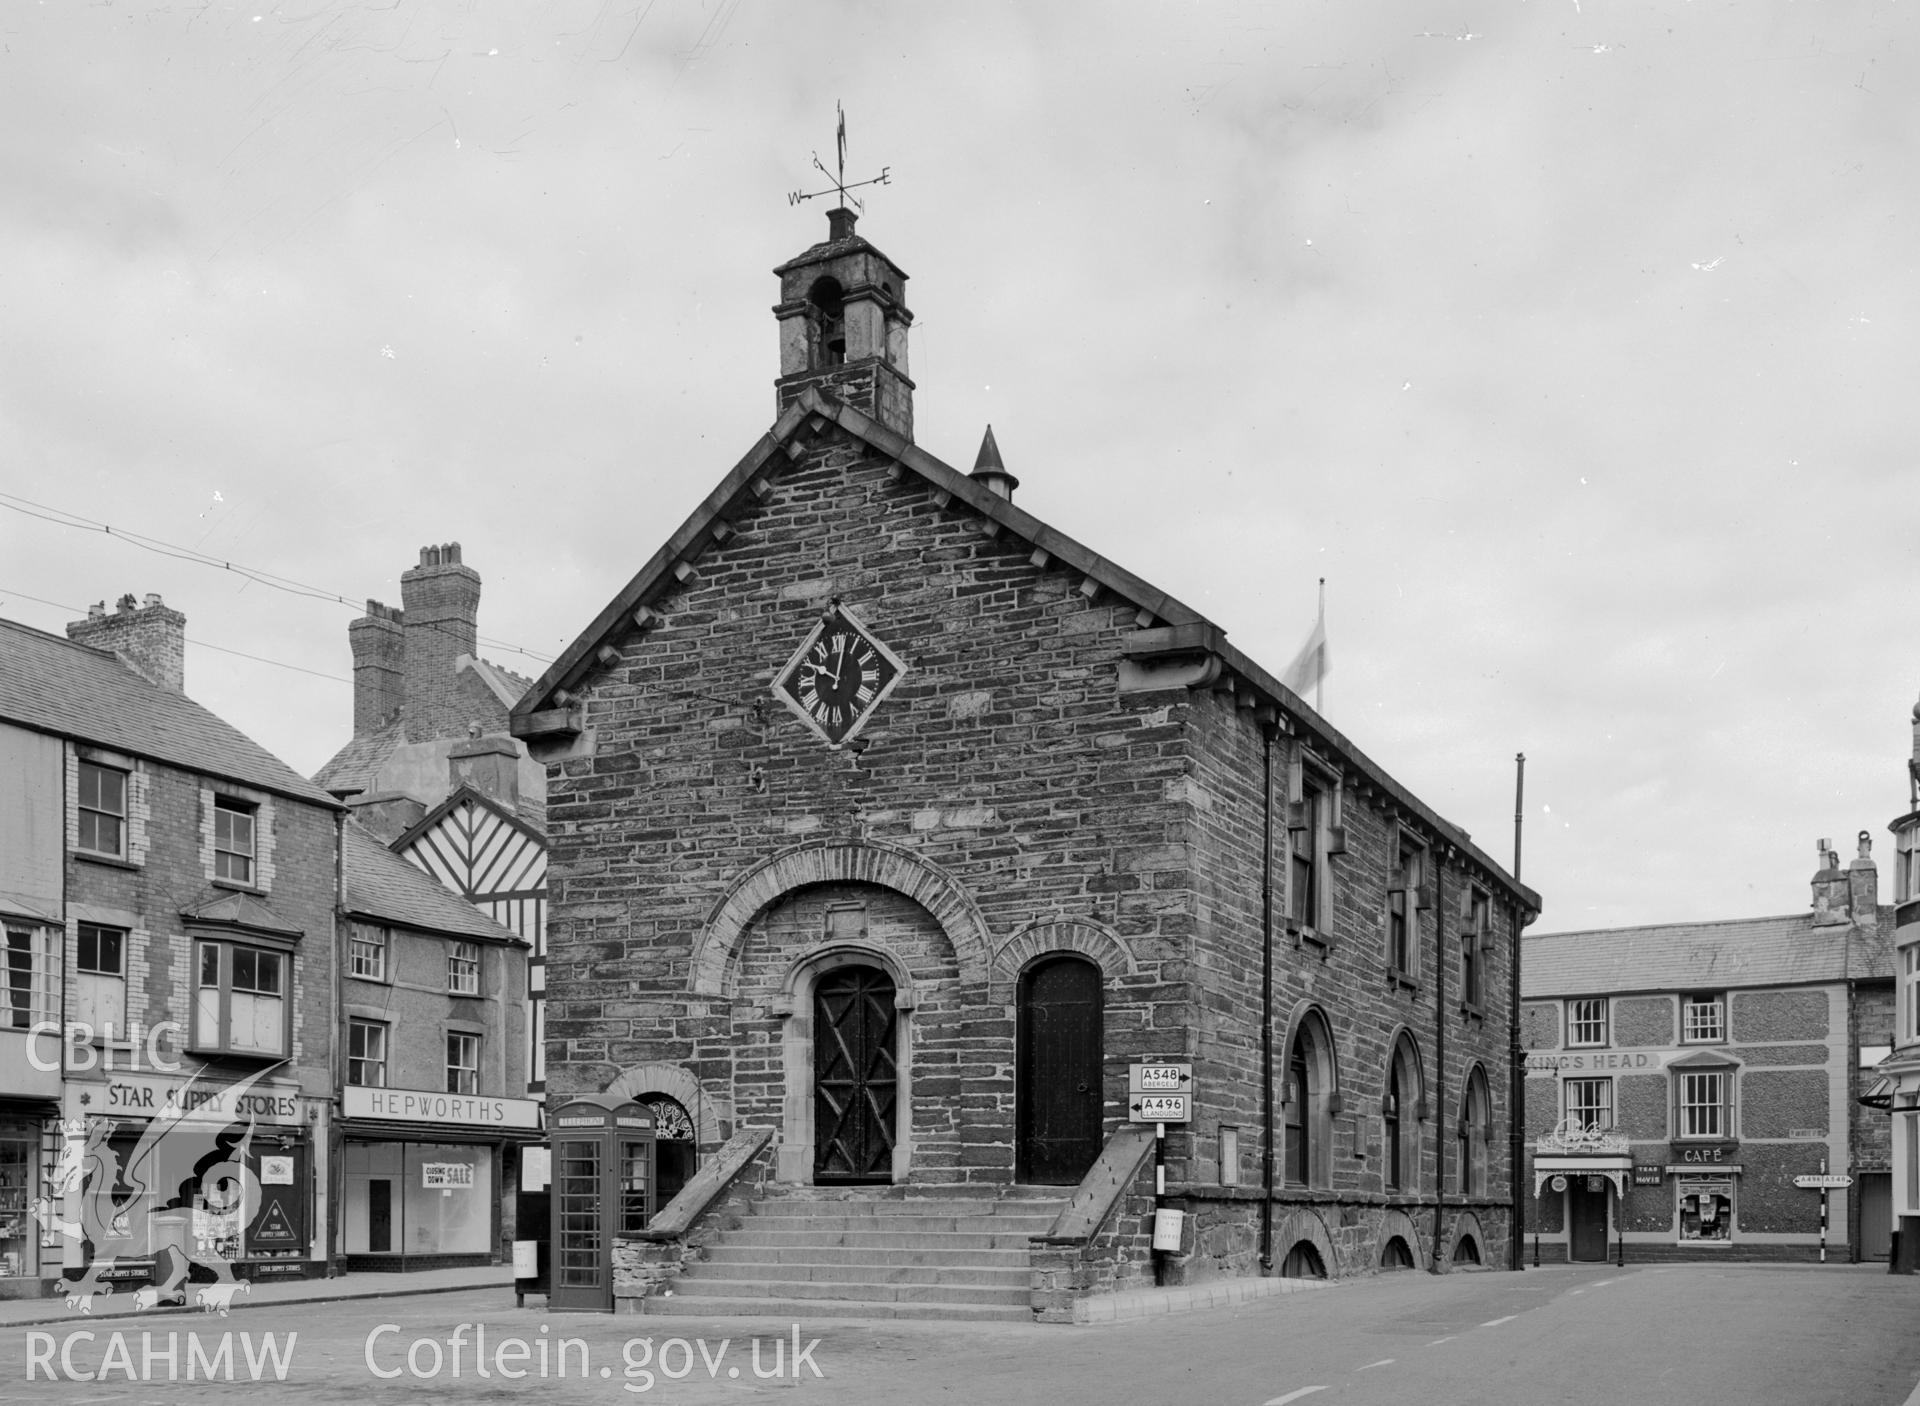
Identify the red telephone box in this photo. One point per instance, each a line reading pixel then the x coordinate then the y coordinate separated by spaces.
pixel 603 1183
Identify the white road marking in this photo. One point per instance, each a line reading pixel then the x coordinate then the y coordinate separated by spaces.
pixel 1295 1395
pixel 1601 1283
pixel 1572 1292
pixel 1495 1323
pixel 1447 1339
pixel 1383 1362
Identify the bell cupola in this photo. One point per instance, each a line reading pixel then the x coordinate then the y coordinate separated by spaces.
pixel 843 327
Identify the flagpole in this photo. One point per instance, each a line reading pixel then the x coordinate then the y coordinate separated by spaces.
pixel 1320 661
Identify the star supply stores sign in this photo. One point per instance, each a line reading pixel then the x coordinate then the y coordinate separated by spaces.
pixel 425 1106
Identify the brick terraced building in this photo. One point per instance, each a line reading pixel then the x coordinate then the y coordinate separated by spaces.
pixel 889 825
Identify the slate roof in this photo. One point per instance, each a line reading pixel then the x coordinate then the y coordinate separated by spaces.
pixel 1739 952
pixel 55 686
pixel 1182 626
pixel 354 767
pixel 383 886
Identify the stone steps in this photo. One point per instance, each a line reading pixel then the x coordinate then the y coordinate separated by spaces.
pixel 872 1252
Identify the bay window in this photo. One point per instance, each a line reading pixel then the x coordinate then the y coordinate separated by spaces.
pixel 242 1005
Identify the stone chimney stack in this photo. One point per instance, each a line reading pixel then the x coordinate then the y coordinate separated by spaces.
pixel 150 639
pixel 1830 897
pixel 491 765
pixel 379 646
pixel 1863 882
pixel 440 612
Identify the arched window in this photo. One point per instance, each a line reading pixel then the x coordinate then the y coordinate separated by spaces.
pixel 1402 1109
pixel 827 324
pixel 675 1151
pixel 1395 1254
pixel 1303 1262
pixel 1475 1132
pixel 1309 1101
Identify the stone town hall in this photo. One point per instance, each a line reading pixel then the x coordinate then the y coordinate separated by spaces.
pixel 890 825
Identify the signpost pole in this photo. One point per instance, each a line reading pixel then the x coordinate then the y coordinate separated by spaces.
pixel 1823 1214
pixel 1159 1193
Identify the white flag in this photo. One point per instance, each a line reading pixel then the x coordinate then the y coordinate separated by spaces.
pixel 1309 666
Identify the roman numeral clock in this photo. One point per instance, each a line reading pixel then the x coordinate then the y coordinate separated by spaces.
pixel 838 677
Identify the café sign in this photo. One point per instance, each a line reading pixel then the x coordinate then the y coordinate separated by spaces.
pixel 1572 1137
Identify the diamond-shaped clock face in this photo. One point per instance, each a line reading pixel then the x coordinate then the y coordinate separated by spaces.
pixel 838 676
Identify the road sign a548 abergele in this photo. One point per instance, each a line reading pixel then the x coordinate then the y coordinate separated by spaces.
pixel 1826 1181
pixel 1160 1092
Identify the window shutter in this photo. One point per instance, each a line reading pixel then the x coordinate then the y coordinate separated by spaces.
pixel 1726 1104
pixel 1423 894
pixel 1296 781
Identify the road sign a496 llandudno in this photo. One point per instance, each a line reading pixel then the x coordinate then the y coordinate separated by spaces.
pixel 1825 1181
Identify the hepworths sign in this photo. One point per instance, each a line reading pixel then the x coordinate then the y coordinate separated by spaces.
pixel 425 1106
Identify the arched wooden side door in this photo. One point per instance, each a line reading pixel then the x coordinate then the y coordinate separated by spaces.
pixel 1058 1092
pixel 855 1075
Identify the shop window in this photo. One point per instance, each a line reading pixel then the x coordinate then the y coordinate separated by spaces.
pixel 1590 1104
pixel 242 1005
pixel 1706 1209
pixel 1705 1104
pixel 463 969
pixel 31 992
pixel 367 952
pixel 103 810
pixel 1587 1022
pixel 233 840
pixel 1405 899
pixel 1703 1020
pixel 100 978
pixel 367 1054
pixel 19 1151
pixel 463 1063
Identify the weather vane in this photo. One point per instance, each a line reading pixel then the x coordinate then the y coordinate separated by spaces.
pixel 839 176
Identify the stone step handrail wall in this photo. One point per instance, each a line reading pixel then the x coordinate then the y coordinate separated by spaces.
pixel 1100 1243
pixel 716 1194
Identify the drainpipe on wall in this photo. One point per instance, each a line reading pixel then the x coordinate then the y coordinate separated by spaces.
pixel 1439 1054
pixel 1266 1005
pixel 1516 1071
pixel 336 1075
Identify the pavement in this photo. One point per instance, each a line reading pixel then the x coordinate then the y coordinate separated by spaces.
pixel 26 1313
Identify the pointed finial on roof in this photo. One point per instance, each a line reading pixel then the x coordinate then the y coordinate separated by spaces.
pixel 990 472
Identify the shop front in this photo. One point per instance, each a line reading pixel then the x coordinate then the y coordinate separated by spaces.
pixel 423 1175
pixel 1704 1179
pixel 1587 1170
pixel 140 1165
pixel 29 1147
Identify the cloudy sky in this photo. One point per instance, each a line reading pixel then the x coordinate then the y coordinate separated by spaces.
pixel 1570 341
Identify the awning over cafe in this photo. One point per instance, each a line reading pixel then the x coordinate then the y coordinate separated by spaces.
pixel 1614 1169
